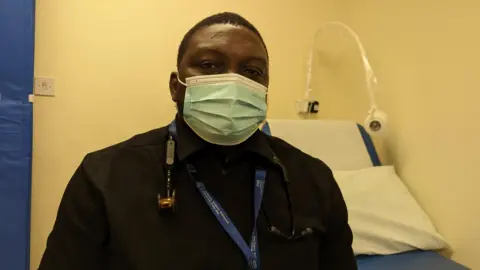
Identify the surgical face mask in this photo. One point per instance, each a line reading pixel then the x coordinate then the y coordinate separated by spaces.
pixel 224 109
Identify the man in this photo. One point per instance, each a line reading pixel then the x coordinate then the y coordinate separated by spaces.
pixel 210 191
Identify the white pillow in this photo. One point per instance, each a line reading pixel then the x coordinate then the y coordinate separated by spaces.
pixel 337 143
pixel 383 215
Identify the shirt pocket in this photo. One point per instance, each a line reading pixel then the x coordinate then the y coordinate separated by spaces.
pixel 277 252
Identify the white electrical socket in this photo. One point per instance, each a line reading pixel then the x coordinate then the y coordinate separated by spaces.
pixel 44 86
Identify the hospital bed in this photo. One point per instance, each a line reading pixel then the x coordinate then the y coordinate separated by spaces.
pixel 345 145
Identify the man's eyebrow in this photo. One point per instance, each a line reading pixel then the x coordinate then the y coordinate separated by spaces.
pixel 204 50
pixel 260 59
pixel 200 47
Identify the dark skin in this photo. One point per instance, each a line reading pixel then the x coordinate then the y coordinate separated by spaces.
pixel 217 49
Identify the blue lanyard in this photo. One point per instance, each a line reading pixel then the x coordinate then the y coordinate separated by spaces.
pixel 251 252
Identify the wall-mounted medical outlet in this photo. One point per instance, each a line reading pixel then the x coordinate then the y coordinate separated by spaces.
pixel 307 106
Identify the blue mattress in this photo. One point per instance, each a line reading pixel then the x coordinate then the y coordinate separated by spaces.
pixel 415 260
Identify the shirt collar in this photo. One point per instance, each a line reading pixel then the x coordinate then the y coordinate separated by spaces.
pixel 189 143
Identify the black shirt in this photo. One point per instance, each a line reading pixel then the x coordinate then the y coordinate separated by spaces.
pixel 109 218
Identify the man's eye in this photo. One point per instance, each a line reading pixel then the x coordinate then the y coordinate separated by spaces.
pixel 253 72
pixel 208 65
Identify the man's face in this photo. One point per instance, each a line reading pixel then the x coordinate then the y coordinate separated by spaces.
pixel 217 49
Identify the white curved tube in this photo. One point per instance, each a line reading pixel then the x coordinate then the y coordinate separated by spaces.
pixel 370 77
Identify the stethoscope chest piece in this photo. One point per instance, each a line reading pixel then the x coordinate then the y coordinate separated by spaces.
pixel 166 204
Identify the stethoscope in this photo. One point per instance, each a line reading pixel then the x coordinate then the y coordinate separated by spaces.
pixel 166 203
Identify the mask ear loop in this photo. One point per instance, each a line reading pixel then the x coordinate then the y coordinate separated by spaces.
pixel 180 81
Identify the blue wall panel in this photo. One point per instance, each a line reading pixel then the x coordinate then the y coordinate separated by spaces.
pixel 15 171
pixel 16 82
pixel 16 49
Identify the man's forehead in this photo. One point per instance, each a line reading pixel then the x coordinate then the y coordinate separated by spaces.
pixel 221 35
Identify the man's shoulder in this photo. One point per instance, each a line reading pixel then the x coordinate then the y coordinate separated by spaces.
pixel 288 152
pixel 152 138
pixel 300 165
pixel 308 174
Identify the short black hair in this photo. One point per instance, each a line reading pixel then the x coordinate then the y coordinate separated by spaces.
pixel 220 18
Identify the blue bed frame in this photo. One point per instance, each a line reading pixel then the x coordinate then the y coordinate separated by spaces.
pixel 414 260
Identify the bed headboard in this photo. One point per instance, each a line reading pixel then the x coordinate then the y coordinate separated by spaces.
pixel 342 145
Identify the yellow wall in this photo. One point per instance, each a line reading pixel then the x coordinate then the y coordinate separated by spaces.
pixel 112 60
pixel 426 55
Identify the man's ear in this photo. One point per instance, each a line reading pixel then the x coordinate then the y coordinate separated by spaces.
pixel 174 86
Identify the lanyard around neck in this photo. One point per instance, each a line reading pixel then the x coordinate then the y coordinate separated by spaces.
pixel 250 252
